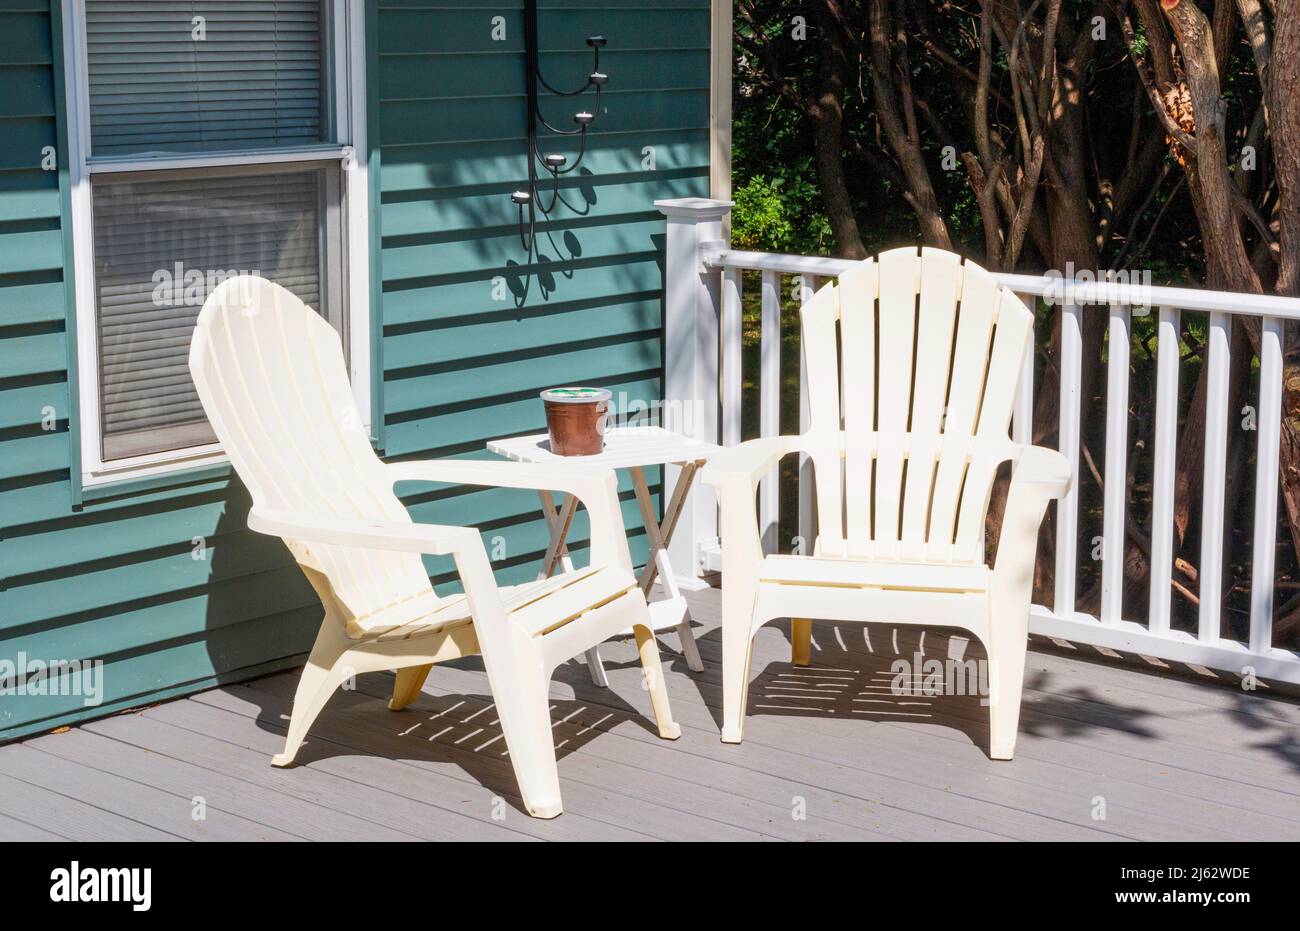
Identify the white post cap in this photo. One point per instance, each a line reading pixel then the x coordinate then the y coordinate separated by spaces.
pixel 694 208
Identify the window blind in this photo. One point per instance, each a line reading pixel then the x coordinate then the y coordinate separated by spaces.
pixel 245 74
pixel 162 241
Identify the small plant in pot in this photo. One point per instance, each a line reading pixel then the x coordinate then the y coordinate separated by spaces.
pixel 575 419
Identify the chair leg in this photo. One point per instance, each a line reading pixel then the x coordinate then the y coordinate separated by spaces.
pixel 737 645
pixel 1006 651
pixel 648 647
pixel 523 707
pixel 320 677
pixel 408 685
pixel 690 649
pixel 597 668
pixel 800 641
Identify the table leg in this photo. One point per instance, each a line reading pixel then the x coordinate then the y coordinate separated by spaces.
pixel 660 535
pixel 558 552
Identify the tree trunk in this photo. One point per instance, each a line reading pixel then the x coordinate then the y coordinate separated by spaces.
pixel 1283 92
pixel 827 113
pixel 829 162
pixel 900 129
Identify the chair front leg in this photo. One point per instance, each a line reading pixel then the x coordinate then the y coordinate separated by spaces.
pixel 1011 587
pixel 519 679
pixel 1007 647
pixel 737 649
pixel 323 673
pixel 741 555
pixel 523 706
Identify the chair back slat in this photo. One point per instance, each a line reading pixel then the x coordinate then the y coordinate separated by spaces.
pixel 940 291
pixel 1011 340
pixel 822 360
pixel 900 279
pixel 858 287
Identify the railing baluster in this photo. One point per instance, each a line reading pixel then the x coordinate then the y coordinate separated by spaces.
pixel 1210 572
pixel 1162 478
pixel 808 284
pixel 1115 498
pixel 769 494
pixel 1022 413
pixel 1266 462
pixel 730 377
pixel 1067 508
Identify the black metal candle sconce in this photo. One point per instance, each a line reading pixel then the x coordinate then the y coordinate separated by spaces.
pixel 553 164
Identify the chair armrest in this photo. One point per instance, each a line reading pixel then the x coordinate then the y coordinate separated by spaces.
pixel 1046 470
pixel 735 473
pixel 1038 476
pixel 750 460
pixel 434 539
pixel 464 544
pixel 596 488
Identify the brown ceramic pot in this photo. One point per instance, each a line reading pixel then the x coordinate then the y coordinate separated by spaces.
pixel 575 420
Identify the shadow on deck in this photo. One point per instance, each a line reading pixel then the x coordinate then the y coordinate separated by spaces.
pixel 835 750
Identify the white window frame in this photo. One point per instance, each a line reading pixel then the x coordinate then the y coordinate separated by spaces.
pixel 351 151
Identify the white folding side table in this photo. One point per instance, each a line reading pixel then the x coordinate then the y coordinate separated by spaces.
pixel 631 448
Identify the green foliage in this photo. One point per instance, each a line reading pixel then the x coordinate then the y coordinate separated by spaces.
pixel 759 221
pixel 1141 44
pixel 778 205
pixel 779 215
pixel 778 79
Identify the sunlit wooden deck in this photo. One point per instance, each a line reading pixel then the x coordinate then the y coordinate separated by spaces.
pixel 1106 752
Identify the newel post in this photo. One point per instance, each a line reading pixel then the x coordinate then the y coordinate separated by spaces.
pixel 692 306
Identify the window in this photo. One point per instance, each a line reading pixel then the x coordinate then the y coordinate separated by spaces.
pixel 210 139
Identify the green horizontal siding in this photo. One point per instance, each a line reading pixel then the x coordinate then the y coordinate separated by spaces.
pixel 433 171
pixel 24 138
pixel 118 578
pixel 24 353
pixel 464 357
pixel 115 580
pixel 39 298
pixel 166 669
pixel 405 77
pixel 420 122
pixel 483 335
pixel 428 30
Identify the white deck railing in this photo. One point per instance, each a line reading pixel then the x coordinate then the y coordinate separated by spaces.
pixel 703 367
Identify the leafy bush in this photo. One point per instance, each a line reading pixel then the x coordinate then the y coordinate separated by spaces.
pixel 759 221
pixel 772 216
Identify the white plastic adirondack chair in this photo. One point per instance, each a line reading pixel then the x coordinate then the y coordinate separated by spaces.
pixel 906 434
pixel 271 375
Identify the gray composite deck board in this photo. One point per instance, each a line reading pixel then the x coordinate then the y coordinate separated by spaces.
pixel 67 815
pixel 476 747
pixel 797 767
pixel 147 789
pixel 1089 737
pixel 191 729
pixel 451 776
pixel 830 752
pixel 122 745
pixel 627 763
pixel 13 829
